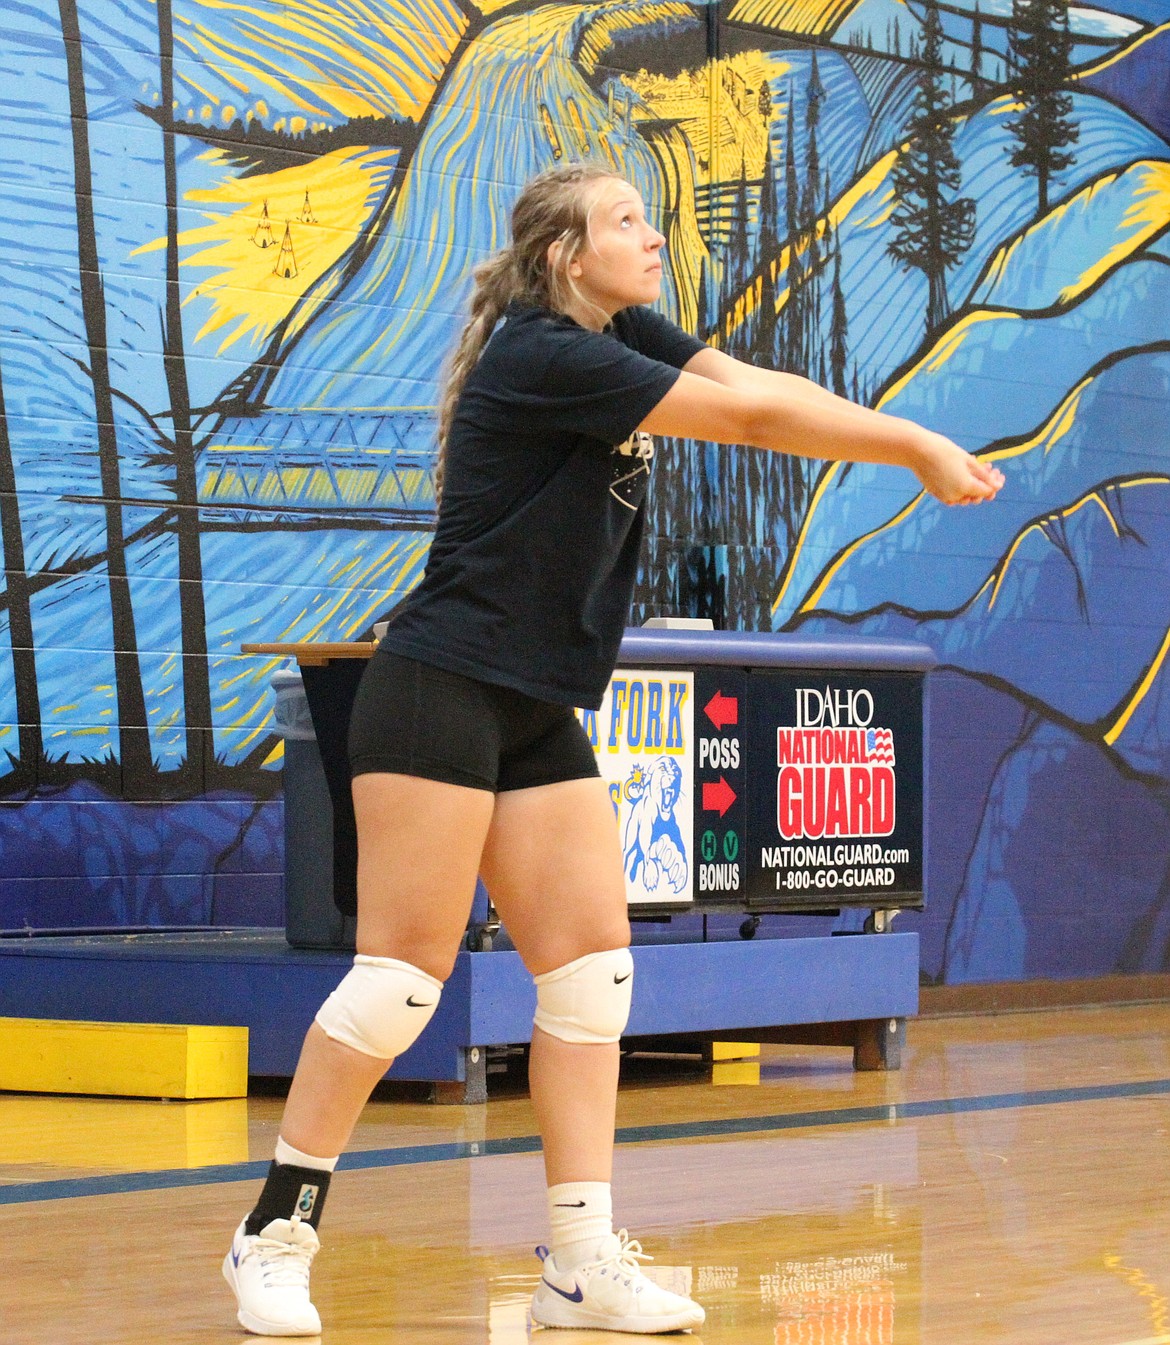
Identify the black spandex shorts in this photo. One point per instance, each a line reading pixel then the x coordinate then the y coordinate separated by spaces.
pixel 411 718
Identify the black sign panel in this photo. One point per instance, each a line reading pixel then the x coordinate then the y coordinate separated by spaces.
pixel 719 754
pixel 834 804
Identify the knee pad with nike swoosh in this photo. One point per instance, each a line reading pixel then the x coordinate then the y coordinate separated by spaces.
pixel 587 1000
pixel 380 1007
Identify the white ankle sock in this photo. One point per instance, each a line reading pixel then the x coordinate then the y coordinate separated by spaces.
pixel 291 1157
pixel 581 1216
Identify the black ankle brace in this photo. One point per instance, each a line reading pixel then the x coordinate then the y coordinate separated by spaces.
pixel 289 1190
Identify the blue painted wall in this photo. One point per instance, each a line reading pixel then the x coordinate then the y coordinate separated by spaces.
pixel 234 246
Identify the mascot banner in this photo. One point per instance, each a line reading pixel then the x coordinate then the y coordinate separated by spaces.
pixel 643 736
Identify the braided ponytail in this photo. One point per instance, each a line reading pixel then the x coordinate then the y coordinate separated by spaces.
pixel 553 207
pixel 495 286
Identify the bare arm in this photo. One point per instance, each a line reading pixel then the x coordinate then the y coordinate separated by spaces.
pixel 727 402
pixel 732 373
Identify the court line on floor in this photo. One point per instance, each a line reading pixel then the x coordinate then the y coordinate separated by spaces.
pixel 71 1188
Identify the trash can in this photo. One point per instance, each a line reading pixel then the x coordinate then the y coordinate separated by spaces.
pixel 311 917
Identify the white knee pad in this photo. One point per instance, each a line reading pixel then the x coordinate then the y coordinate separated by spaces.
pixel 380 1007
pixel 587 1000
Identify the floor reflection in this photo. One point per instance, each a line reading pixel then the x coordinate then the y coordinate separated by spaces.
pixel 842 1264
pixel 855 1283
pixel 1039 1221
pixel 64 1134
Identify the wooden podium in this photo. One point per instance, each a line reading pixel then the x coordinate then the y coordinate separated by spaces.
pixel 310 655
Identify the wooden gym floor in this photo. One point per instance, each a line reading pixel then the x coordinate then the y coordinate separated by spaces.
pixel 1008 1185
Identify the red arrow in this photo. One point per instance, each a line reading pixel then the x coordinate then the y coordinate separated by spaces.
pixel 717 797
pixel 722 710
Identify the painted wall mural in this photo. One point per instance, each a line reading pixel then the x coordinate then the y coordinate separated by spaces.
pixel 234 242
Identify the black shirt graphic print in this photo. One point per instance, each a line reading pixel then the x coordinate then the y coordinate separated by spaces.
pixel 630 468
pixel 531 571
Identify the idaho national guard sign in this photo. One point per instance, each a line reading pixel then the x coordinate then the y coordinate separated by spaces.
pixel 835 803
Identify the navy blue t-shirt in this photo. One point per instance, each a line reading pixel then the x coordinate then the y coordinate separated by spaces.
pixel 531 571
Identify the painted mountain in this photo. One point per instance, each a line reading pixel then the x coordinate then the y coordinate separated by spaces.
pixel 237 242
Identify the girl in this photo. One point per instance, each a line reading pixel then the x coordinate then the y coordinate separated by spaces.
pixel 467 757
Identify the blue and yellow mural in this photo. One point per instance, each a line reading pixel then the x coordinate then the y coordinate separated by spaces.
pixel 235 243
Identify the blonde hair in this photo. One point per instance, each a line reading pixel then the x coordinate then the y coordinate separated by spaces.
pixel 554 207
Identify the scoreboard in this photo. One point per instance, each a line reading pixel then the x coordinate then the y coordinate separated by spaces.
pixel 753 784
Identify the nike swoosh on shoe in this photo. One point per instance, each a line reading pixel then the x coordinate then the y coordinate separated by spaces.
pixel 574 1297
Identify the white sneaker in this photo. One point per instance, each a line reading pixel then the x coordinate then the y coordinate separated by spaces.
pixel 269 1273
pixel 611 1293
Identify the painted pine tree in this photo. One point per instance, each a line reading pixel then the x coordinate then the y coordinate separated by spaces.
pixel 976 49
pixel 133 735
pixel 182 448
pixel 738 264
pixel 793 322
pixel 1040 65
pixel 703 299
pixel 765 343
pixel 810 209
pixel 933 226
pixel 838 330
pixel 18 593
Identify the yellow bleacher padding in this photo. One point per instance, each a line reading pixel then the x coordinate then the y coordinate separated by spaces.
pixel 40 1055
